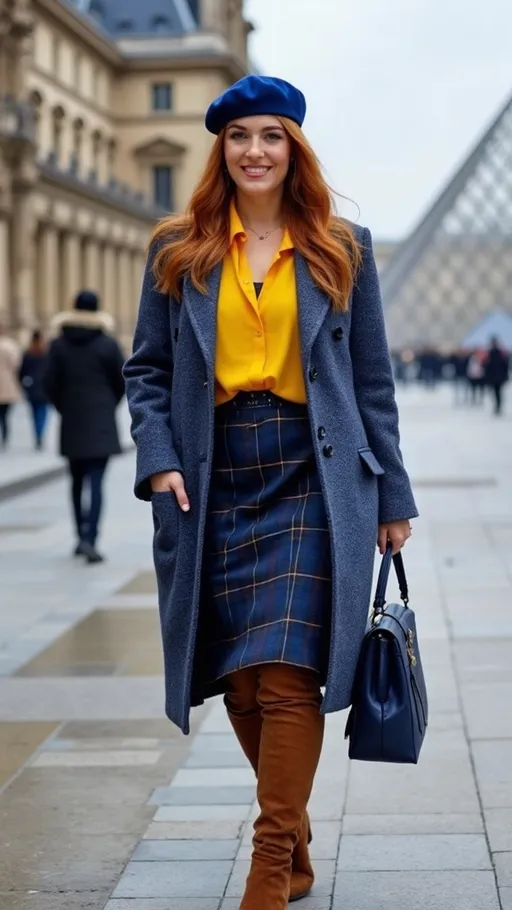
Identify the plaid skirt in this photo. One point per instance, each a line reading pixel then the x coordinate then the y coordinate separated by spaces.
pixel 266 585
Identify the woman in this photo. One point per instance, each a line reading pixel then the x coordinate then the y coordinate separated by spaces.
pixel 263 411
pixel 10 391
pixel 31 378
pixel 84 382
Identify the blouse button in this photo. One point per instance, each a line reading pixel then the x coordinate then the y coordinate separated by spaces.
pixel 259 334
pixel 328 451
pixel 337 333
pixel 322 432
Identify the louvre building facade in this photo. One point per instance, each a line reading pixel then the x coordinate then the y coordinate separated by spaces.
pixel 101 131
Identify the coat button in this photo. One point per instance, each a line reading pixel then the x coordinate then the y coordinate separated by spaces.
pixel 313 373
pixel 328 451
pixel 322 432
pixel 205 384
pixel 337 333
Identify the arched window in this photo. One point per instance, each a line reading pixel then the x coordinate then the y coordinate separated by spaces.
pixel 58 117
pixel 36 103
pixel 111 158
pixel 97 145
pixel 78 141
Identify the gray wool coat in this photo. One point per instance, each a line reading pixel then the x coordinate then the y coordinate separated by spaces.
pixel 170 381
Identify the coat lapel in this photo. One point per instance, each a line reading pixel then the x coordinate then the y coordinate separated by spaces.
pixel 313 306
pixel 202 312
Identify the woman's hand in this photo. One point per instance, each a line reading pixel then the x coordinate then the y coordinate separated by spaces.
pixel 171 482
pixel 396 533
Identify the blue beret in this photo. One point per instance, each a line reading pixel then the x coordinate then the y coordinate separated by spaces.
pixel 254 95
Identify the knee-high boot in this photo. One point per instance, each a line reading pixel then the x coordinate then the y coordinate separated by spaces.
pixel 290 746
pixel 247 728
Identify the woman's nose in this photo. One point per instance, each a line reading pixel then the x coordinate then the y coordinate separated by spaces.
pixel 255 151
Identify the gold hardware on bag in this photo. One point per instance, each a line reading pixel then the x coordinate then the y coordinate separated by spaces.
pixel 410 648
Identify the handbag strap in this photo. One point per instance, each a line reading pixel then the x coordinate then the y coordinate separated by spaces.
pixel 382 581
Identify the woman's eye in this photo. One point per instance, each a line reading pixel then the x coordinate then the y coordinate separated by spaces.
pixel 274 136
pixel 237 135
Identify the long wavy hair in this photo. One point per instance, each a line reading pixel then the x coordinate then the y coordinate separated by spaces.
pixel 195 242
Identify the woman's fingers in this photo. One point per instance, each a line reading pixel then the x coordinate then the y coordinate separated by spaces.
pixel 396 533
pixel 178 487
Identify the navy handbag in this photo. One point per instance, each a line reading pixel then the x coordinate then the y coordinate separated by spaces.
pixel 389 713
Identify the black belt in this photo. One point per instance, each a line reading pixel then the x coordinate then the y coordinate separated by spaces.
pixel 262 399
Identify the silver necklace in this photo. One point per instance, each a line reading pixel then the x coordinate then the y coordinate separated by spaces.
pixel 266 234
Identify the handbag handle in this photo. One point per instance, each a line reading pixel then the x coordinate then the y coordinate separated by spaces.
pixel 382 581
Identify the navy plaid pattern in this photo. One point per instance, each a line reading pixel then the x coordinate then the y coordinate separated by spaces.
pixel 266 587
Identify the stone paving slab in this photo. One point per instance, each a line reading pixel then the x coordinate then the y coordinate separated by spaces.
pixel 203 796
pixel 498 823
pixel 441 823
pixel 176 879
pixel 493 764
pixel 171 850
pixel 194 830
pixel 416 891
pixel 181 903
pixel 503 866
pixel 437 852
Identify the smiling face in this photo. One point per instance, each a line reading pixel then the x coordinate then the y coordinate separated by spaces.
pixel 257 153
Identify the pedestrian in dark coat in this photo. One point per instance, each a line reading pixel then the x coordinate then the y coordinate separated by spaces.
pixel 497 371
pixel 263 410
pixel 84 382
pixel 32 372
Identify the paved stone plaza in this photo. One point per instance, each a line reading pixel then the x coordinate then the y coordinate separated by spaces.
pixel 104 805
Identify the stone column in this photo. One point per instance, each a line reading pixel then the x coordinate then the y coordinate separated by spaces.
pixel 71 281
pixel 110 281
pixel 23 252
pixel 48 285
pixel 138 262
pixel 92 266
pixel 5 270
pixel 124 291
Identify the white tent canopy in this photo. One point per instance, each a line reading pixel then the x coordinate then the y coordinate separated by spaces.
pixel 495 325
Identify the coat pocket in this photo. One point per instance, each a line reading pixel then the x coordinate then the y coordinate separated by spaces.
pixel 368 458
pixel 166 516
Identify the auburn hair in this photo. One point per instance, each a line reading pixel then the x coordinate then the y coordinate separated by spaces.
pixel 195 242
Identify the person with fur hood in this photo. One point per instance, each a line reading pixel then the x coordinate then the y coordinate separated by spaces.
pixel 84 382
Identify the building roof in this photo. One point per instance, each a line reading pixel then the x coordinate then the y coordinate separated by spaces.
pixel 139 17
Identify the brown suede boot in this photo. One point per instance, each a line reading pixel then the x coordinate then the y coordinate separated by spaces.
pixel 247 728
pixel 290 746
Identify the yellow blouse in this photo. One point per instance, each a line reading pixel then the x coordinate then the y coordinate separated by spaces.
pixel 258 343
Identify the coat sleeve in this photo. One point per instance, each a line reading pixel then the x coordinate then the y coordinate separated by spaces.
pixel 115 370
pixel 148 378
pixel 52 378
pixel 375 390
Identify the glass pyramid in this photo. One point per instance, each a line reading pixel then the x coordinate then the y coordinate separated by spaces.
pixel 456 266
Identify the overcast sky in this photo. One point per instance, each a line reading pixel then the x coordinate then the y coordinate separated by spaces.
pixel 398 91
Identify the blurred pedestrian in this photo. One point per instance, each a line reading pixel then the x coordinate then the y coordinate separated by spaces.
pixel 31 377
pixel 84 382
pixel 259 408
pixel 460 360
pixel 10 390
pixel 475 372
pixel 497 371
